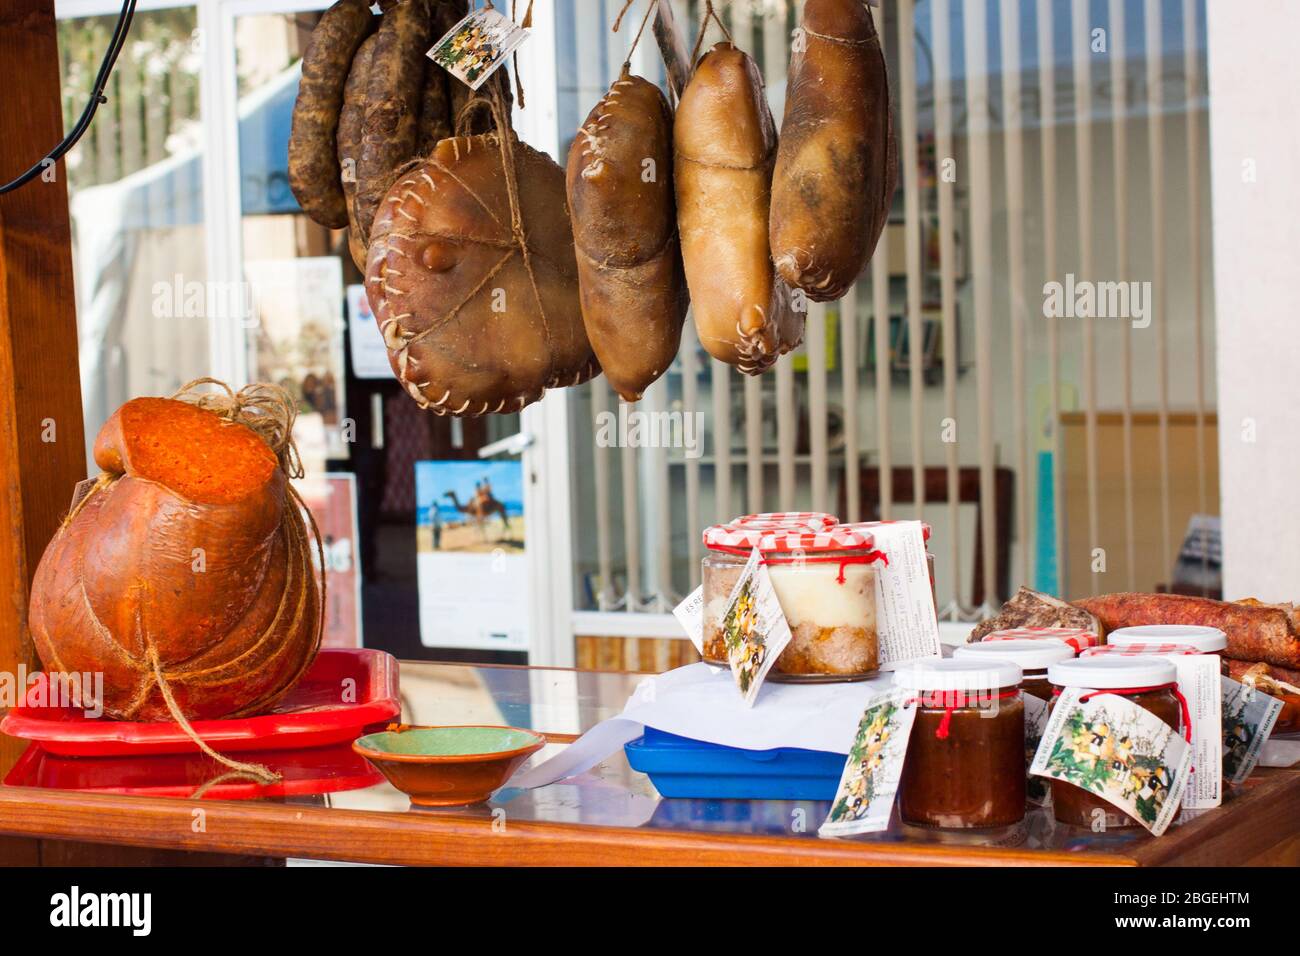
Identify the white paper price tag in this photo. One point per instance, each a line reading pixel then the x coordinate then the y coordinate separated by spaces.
pixel 905 617
pixel 690 615
pixel 1198 682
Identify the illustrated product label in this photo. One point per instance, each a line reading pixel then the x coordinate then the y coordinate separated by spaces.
pixel 753 627
pixel 690 615
pixel 476 46
pixel 1036 788
pixel 905 619
pixel 1248 719
pixel 1117 751
pixel 865 797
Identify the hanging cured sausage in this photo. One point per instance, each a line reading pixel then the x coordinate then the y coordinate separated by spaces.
pixel 724 149
pixel 620 190
pixel 394 93
pixel 351 118
pixel 837 164
pixel 313 165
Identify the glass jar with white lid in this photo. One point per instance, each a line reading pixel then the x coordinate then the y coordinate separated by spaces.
pixel 1147 680
pixel 965 765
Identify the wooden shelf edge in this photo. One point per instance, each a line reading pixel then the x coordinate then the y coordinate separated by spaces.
pixel 1264 815
pixel 420 839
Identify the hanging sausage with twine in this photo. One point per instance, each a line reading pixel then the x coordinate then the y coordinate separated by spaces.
pixel 620 189
pixel 471 273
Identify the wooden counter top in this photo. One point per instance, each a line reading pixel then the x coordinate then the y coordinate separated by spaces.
pixel 611 815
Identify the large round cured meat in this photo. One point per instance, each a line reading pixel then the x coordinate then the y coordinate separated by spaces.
pixel 188 564
pixel 472 279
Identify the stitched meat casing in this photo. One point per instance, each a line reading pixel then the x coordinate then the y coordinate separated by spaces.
pixel 479 316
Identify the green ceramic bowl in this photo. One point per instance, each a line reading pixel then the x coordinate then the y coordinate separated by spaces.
pixel 449 766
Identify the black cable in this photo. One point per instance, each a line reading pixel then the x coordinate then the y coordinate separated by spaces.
pixel 97 97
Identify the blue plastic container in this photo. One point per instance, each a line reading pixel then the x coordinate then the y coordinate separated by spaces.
pixel 681 767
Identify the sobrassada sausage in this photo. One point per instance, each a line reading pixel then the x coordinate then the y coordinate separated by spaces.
pixel 1259 632
pixel 837 165
pixel 349 140
pixel 393 94
pixel 724 145
pixel 620 190
pixel 313 161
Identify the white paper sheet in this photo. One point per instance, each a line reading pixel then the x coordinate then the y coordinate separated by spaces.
pixel 700 702
pixel 1280 753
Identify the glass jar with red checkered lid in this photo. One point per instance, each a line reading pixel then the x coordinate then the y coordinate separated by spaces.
pixel 823 575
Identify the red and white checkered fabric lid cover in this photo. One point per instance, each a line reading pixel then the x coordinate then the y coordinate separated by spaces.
pixel 792 536
pixel 1137 650
pixel 1076 637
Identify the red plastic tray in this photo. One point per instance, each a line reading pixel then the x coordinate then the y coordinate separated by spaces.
pixel 312 715
pixel 316 770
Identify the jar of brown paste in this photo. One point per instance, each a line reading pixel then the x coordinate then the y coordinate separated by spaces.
pixel 1146 680
pixel 965 765
pixel 1033 658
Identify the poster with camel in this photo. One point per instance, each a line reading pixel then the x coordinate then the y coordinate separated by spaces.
pixel 470 540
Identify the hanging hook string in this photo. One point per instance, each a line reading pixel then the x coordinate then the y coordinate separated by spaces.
pixel 514 57
pixel 650 8
pixel 704 25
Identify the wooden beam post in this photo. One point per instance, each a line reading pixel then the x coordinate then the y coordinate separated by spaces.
pixel 42 448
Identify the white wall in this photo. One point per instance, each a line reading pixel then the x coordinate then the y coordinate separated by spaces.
pixel 1254 77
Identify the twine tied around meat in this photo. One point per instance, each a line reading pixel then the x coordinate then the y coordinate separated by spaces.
pixel 505 139
pixel 514 56
pixel 262 407
pixel 257 771
pixel 269 412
